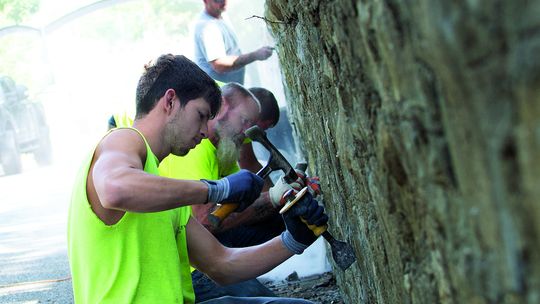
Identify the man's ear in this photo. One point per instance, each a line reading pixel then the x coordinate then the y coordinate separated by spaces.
pixel 223 109
pixel 169 97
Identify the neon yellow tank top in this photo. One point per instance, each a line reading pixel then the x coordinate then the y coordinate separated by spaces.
pixel 123 120
pixel 141 259
pixel 200 163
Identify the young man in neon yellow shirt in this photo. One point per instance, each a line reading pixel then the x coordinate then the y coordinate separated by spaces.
pixel 217 156
pixel 130 240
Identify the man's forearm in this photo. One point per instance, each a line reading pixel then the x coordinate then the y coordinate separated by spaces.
pixel 260 210
pixel 244 60
pixel 141 192
pixel 249 161
pixel 250 262
pixel 232 63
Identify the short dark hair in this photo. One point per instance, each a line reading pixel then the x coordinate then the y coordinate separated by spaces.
pixel 180 74
pixel 269 104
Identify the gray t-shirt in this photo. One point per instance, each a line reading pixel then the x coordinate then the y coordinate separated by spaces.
pixel 215 38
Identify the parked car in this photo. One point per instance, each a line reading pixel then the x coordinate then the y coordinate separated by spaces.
pixel 23 128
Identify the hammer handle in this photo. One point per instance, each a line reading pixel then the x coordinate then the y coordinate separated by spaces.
pixel 224 210
pixel 220 213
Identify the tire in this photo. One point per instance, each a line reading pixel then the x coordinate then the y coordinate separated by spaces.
pixel 43 154
pixel 9 154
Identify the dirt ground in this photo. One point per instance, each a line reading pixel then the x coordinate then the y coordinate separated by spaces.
pixel 321 288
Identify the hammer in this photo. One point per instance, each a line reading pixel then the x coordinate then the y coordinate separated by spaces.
pixel 342 253
pixel 276 162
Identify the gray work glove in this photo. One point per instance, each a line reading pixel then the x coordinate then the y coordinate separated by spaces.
pixel 242 187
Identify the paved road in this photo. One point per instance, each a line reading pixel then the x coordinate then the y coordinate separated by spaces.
pixel 33 211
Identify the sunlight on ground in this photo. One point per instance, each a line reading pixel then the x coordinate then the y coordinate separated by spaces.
pixel 29 288
pixel 22 288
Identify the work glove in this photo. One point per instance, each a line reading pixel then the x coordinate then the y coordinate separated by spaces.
pixel 313 183
pixel 281 187
pixel 297 237
pixel 242 188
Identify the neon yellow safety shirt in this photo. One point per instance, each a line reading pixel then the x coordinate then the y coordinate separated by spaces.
pixel 141 259
pixel 123 120
pixel 200 163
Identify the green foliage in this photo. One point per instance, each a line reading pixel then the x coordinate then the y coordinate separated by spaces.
pixel 113 31
pixel 114 25
pixel 23 60
pixel 131 22
pixel 176 15
pixel 17 10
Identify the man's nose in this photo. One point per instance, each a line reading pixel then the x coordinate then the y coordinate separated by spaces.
pixel 204 130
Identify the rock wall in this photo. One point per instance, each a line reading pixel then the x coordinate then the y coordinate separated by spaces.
pixel 422 119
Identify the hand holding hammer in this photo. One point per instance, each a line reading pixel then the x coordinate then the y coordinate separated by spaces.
pixel 342 252
pixel 276 162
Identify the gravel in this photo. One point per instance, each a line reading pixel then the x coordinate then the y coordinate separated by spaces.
pixel 321 288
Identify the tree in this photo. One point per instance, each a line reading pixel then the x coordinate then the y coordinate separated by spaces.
pixel 17 10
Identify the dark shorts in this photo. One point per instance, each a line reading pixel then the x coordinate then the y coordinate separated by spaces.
pixel 251 235
pixel 256 300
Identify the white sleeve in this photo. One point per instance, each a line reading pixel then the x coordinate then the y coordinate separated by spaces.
pixel 213 42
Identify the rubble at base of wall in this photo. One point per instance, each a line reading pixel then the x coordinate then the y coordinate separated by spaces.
pixel 319 288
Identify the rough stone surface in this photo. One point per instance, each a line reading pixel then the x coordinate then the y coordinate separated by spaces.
pixel 422 119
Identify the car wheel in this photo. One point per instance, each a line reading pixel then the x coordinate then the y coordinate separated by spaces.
pixel 43 154
pixel 9 154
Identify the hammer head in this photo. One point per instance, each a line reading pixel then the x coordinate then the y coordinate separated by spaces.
pixel 276 161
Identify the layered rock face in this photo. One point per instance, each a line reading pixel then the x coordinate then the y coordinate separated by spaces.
pixel 422 119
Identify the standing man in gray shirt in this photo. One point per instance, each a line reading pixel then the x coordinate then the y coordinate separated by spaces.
pixel 216 45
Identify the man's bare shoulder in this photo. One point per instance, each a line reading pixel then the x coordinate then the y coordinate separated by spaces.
pixel 122 141
pixel 122 136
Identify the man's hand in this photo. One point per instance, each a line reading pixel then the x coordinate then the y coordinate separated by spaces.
pixel 276 192
pixel 298 236
pixel 242 188
pixel 313 183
